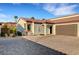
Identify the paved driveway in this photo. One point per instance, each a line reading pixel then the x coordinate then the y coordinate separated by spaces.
pixel 66 44
pixel 21 46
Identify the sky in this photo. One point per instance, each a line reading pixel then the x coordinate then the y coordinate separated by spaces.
pixel 37 10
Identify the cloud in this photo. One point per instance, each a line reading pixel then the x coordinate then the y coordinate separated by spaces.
pixel 6 18
pixel 4 15
pixel 49 7
pixel 60 9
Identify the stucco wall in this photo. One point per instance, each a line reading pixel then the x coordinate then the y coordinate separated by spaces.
pixel 20 25
pixel 47 30
pixel 38 29
pixel 70 29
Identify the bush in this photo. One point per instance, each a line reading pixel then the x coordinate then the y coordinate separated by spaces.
pixel 8 31
pixel 2 34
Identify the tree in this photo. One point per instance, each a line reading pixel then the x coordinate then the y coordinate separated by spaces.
pixel 5 30
pixel 16 17
pixel 12 31
pixel 43 19
pixel 32 18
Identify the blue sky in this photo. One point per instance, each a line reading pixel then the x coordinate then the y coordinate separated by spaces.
pixel 37 10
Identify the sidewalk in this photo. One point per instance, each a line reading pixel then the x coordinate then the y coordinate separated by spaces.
pixel 65 44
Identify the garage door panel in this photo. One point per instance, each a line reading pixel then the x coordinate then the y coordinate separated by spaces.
pixel 66 29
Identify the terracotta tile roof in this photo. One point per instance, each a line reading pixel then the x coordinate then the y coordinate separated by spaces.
pixel 68 16
pixel 36 20
pixel 7 23
pixel 67 19
pixel 11 22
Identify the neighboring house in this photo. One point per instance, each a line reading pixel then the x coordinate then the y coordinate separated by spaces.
pixel 68 25
pixel 9 24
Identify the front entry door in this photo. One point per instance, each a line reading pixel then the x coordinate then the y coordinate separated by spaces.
pixel 50 29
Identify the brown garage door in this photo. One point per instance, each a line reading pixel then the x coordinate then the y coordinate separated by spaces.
pixel 66 29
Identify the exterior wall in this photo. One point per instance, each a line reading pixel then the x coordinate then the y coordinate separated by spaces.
pixel 42 28
pixel 53 29
pixel 32 28
pixel 38 29
pixel 47 30
pixel 20 25
pixel 67 29
pixel 45 27
pixel 78 30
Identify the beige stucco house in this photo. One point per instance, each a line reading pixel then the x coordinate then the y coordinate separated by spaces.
pixel 68 25
pixel 34 27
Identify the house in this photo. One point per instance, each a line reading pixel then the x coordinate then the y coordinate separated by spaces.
pixel 34 27
pixel 8 24
pixel 67 25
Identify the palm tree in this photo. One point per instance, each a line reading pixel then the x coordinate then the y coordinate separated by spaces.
pixel 32 18
pixel 16 17
pixel 43 19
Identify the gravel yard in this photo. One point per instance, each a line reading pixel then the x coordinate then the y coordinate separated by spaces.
pixel 21 46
